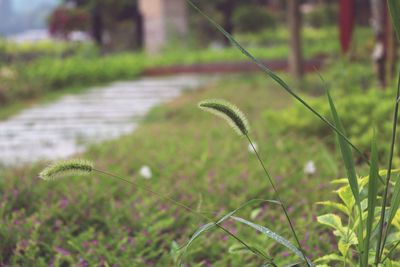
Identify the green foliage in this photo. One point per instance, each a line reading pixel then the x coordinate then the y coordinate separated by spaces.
pixel 322 15
pixel 253 19
pixel 105 221
pixel 394 7
pixel 369 109
pixel 346 235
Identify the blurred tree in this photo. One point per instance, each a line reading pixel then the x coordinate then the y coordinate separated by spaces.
pixel 226 10
pixel 378 24
pixel 63 21
pixel 384 54
pixel 103 11
pixel 294 24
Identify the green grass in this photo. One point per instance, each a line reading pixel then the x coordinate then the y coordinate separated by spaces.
pixel 30 81
pixel 195 159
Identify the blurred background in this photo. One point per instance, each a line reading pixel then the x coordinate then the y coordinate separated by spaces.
pixel 117 81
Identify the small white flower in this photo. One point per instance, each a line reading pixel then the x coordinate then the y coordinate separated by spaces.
pixel 145 172
pixel 310 168
pixel 251 149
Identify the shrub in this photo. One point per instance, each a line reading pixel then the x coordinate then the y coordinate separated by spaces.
pixel 322 15
pixel 253 19
pixel 361 113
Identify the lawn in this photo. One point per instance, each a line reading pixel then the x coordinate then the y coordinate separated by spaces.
pixel 194 158
pixel 56 69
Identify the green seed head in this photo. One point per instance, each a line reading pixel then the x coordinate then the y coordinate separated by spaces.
pixel 227 111
pixel 67 168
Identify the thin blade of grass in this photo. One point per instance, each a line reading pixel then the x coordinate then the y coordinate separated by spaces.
pixel 395 202
pixel 269 233
pixel 380 246
pixel 350 167
pixel 372 198
pixel 394 206
pixel 275 77
pixel 209 226
pixel 394 9
pixel 346 153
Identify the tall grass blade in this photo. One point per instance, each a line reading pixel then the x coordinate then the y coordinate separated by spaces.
pixel 372 198
pixel 350 167
pixel 394 206
pixel 269 233
pixel 381 246
pixel 275 77
pixel 346 152
pixel 209 226
pixel 394 9
pixel 183 206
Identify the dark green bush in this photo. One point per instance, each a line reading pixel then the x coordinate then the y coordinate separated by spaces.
pixel 322 15
pixel 252 19
pixel 361 113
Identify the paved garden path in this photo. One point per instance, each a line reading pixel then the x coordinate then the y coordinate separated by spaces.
pixel 67 126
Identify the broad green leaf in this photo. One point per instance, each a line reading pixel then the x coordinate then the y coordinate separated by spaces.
pixel 394 8
pixel 331 257
pixel 395 203
pixel 346 196
pixel 255 213
pixel 331 220
pixel 343 247
pixel 372 198
pixel 340 181
pixel 346 241
pixel 346 152
pixel 281 240
pixel 335 205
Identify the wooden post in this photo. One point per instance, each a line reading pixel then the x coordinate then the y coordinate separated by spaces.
pixel 391 48
pixel 295 53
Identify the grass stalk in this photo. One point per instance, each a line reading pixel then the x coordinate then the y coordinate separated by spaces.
pixel 381 245
pixel 391 251
pixel 271 181
pixel 277 79
pixel 183 206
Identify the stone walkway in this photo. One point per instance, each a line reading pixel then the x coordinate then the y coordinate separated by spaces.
pixel 67 126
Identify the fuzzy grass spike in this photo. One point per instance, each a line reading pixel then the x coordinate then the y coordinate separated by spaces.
pixel 227 111
pixel 67 168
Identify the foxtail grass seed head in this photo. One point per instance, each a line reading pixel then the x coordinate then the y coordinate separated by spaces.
pixel 67 168
pixel 227 111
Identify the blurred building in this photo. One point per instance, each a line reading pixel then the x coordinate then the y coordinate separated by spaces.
pixel 165 21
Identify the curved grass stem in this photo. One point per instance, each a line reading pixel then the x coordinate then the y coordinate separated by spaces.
pixel 391 251
pixel 277 79
pixel 183 206
pixel 381 245
pixel 271 181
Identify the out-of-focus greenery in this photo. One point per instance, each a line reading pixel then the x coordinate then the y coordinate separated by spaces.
pixel 362 106
pixel 95 220
pixel 322 15
pixel 11 51
pixel 84 66
pixel 253 19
